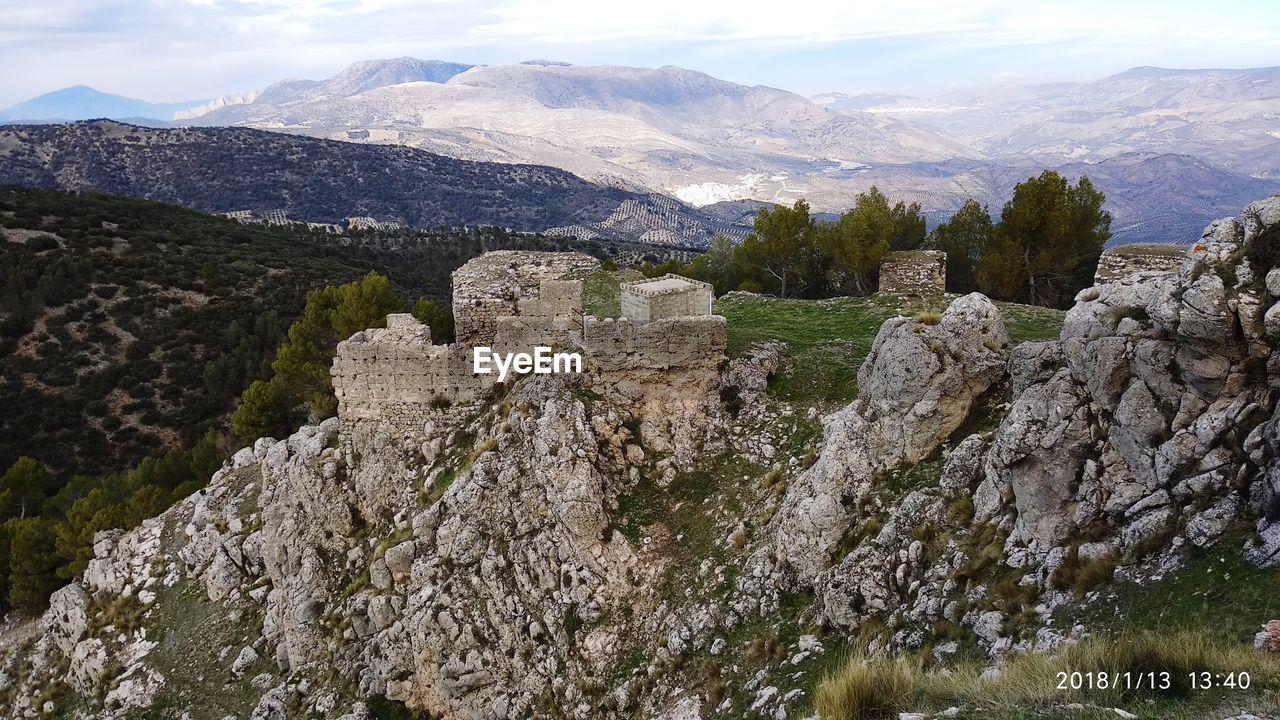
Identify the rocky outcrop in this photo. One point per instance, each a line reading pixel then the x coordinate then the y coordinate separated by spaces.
pixel 915 389
pixel 504 564
pixel 1148 426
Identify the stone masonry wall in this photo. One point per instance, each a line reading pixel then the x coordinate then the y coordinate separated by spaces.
pixel 913 272
pixel 505 283
pixel 1131 261
pixel 396 376
pixel 678 343
pixel 667 296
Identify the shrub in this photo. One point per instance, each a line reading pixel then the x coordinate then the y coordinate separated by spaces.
pixel 1133 312
pixel 960 510
pixel 1264 249
pixel 487 445
pixel 928 317
pixel 1081 575
pixel 866 689
pixel 267 408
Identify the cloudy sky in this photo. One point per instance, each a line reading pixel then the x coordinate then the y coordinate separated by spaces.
pixel 170 50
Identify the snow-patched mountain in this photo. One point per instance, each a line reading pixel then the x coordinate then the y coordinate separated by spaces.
pixel 667 129
pixel 1166 146
pixel 83 103
pixel 1229 118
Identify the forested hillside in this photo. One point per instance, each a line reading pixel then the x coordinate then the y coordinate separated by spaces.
pixel 230 169
pixel 127 327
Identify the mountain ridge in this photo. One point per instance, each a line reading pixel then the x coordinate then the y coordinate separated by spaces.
pixel 81 102
pixel 317 180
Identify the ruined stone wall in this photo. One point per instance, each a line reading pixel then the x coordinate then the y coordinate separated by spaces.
pixel 1133 261
pixel 913 272
pixel 398 377
pixel 667 296
pixel 679 343
pixel 523 334
pixel 508 283
pixel 475 320
pixel 560 299
pixel 397 380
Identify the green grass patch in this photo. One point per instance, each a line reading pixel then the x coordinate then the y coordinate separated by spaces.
pixel 602 292
pixel 1029 323
pixel 1217 588
pixel 827 340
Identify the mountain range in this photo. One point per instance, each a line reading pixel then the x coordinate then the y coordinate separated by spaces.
pixel 83 103
pixel 1172 149
pixel 316 180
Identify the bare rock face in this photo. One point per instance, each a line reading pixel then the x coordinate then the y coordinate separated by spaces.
pixel 1037 457
pixel 494 645
pixel 1141 426
pixel 915 389
pixel 919 380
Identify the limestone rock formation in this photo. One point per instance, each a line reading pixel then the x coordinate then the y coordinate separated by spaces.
pixel 915 388
pixel 559 547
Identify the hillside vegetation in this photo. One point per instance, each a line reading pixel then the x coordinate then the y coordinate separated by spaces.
pixel 127 326
pixel 313 180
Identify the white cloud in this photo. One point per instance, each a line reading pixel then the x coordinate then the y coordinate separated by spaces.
pixel 169 49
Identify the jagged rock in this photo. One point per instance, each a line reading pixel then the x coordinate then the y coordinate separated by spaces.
pixel 1205 313
pixel 88 662
pixel 1259 215
pixel 399 558
pixel 243 661
pixel 963 466
pixel 1039 454
pixel 67 619
pixel 915 388
pixel 1034 362
pixel 1269 639
pixel 1273 282
pixel 922 379
pixel 1204 528
pixel 136 688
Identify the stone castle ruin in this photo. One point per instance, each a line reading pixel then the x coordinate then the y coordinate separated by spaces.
pixel 513 302
pixel 913 272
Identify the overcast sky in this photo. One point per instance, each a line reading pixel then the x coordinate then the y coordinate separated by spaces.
pixel 170 50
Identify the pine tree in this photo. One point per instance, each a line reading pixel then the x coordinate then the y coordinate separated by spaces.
pixel 1050 235
pixel 32 566
pixel 332 315
pixel 24 487
pixel 782 252
pixel 964 238
pixel 267 409
pixel 437 317
pixel 858 242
